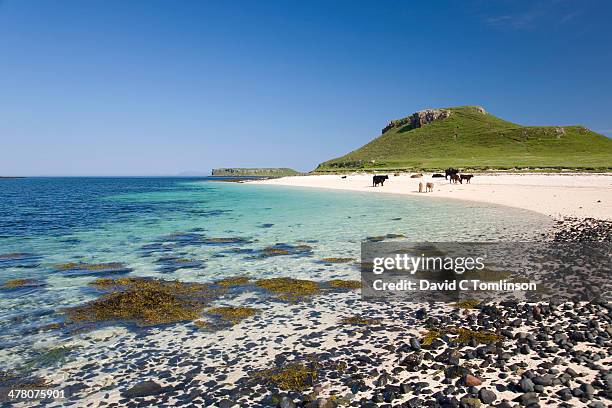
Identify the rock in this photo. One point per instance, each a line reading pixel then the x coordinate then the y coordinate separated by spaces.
pixel 418 119
pixel 544 380
pixel 455 372
pixel 421 314
pixel 565 394
pixel 528 398
pixel 143 389
pixel 423 117
pixel 286 402
pixel 383 380
pixel 405 388
pixel 486 396
pixel 389 396
pixel 526 385
pixel 587 389
pixel 317 389
pixel 225 403
pixel 414 344
pixel 468 402
pixel 412 362
pixel 471 381
pixel 325 403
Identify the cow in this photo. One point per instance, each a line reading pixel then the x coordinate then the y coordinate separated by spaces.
pixel 343 177
pixel 449 172
pixel 466 177
pixel 420 186
pixel 429 187
pixel 376 180
pixel 417 175
pixel 455 178
pixel 437 175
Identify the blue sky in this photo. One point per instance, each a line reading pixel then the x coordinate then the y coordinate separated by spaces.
pixel 161 87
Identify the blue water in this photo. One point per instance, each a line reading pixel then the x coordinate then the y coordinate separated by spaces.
pixel 148 223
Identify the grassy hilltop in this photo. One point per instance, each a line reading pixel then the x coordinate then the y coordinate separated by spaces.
pixel 468 137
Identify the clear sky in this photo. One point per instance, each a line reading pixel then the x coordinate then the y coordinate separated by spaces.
pixel 162 87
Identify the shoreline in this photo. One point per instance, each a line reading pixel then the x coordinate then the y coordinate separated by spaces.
pixel 559 196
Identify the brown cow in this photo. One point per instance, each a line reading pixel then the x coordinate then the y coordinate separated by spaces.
pixel 429 187
pixel 454 178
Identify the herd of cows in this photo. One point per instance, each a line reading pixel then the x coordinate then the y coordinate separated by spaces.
pixel 454 175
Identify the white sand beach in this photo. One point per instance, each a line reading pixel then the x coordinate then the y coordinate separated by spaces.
pixel 556 195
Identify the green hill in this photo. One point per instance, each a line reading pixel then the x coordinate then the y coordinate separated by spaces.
pixel 469 137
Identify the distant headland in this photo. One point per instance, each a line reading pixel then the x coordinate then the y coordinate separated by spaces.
pixel 259 172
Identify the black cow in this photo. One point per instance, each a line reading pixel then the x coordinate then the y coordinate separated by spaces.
pixel 449 172
pixel 376 180
pixel 466 177
pixel 437 175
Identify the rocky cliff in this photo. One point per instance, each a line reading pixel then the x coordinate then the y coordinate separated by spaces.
pixel 423 117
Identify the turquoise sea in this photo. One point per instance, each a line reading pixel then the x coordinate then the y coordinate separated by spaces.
pixel 195 229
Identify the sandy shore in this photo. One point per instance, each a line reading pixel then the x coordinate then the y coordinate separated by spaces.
pixel 556 195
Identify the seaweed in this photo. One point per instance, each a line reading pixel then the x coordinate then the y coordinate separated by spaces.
pixel 20 283
pixel 430 336
pixel 337 260
pixel 232 314
pixel 359 321
pixel 294 376
pixel 344 284
pixel 233 281
pixel 467 304
pixel 481 336
pixel 144 301
pixel 290 289
pixel 202 325
pixel 286 249
pixel 464 336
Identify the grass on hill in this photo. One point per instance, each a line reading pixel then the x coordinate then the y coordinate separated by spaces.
pixel 475 140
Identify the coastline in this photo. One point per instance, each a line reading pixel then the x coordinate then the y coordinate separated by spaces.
pixel 559 196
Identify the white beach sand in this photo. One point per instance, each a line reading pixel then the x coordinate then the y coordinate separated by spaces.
pixel 556 195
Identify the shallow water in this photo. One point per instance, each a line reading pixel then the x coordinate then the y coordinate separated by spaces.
pixel 163 227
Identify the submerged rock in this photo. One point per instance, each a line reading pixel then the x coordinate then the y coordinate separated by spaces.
pixel 19 260
pixel 168 264
pixel 83 268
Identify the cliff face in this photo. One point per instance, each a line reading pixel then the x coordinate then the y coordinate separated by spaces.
pixel 423 117
pixel 263 172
